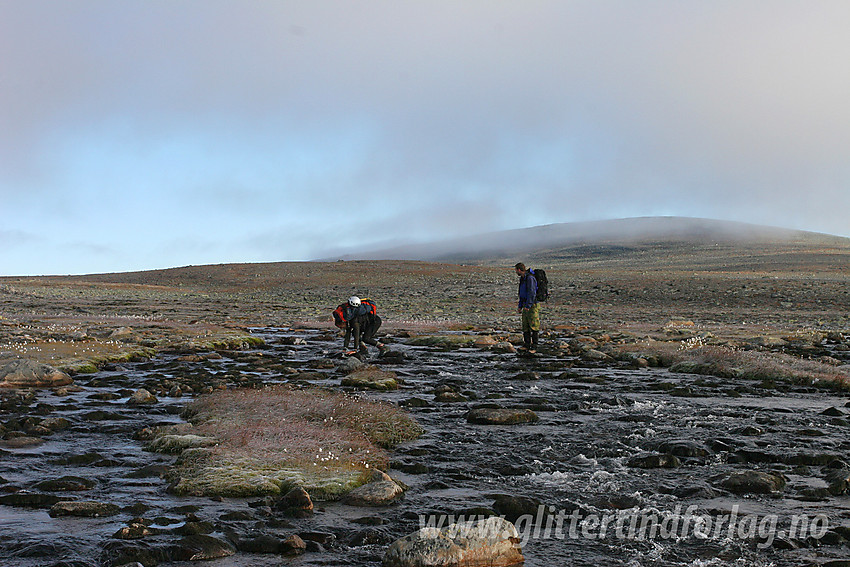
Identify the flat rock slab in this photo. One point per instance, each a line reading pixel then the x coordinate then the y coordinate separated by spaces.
pixel 22 373
pixel 83 509
pixel 501 416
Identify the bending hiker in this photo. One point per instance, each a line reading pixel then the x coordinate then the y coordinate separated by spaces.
pixel 360 320
pixel 528 308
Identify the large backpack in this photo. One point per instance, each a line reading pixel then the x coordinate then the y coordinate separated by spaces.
pixel 370 305
pixel 542 285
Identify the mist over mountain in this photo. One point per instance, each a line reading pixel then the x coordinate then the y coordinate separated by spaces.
pixel 598 240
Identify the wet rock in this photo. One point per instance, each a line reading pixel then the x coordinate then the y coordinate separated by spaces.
pixel 501 416
pixel 322 538
pixel 414 403
pixel 372 378
pixel 450 397
pixel 839 480
pixel 512 507
pixel 296 503
pixel 263 544
pixel 21 442
pixel 55 423
pixel 755 456
pixel 194 527
pixel 392 357
pixel 381 491
pixel 749 431
pixel 125 553
pixel 22 373
pixel 683 448
pixel 754 482
pixel 201 548
pixel 493 542
pixel 135 530
pixel 142 397
pixel 86 509
pixel 65 483
pixel 655 461
pixel 593 355
pixel 350 364
pixel 292 545
pixel 29 500
pixel 833 412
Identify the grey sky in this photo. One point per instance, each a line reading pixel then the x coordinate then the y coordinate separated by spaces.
pixel 142 134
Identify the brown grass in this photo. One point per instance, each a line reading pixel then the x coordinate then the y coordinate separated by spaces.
pixel 729 362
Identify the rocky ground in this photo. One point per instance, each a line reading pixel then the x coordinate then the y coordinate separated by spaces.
pixel 607 309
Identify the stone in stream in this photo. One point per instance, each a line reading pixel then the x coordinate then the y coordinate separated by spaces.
pixel 493 542
pixel 86 509
pixel 141 397
pixel 296 503
pixel 65 483
pixel 754 482
pixel 500 416
pixel 135 530
pixel 201 548
pixel 371 378
pixel 22 373
pixel 381 491
pixel 655 461
pixel 513 507
pixel 21 442
pixel 29 500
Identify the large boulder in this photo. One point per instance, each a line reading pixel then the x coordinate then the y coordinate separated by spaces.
pixel 493 542
pixel 22 373
pixel 381 491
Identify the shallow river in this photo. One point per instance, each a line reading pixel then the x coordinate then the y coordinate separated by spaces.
pixel 574 469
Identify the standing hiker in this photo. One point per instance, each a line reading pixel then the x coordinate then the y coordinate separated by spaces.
pixel 360 319
pixel 528 308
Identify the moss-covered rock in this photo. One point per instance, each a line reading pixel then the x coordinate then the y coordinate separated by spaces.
pixel 372 379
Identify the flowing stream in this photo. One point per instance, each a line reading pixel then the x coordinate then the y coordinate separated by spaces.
pixel 578 461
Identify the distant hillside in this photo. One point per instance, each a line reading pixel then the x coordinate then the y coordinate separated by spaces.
pixel 633 240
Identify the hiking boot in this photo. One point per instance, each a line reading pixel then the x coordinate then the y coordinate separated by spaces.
pixel 382 348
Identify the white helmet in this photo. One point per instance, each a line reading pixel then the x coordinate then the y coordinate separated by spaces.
pixel 354 301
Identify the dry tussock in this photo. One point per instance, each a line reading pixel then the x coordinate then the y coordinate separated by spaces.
pixel 724 361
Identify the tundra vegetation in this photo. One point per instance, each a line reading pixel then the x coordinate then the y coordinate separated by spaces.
pixel 269 440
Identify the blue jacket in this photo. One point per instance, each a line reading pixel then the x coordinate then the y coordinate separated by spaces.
pixel 527 290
